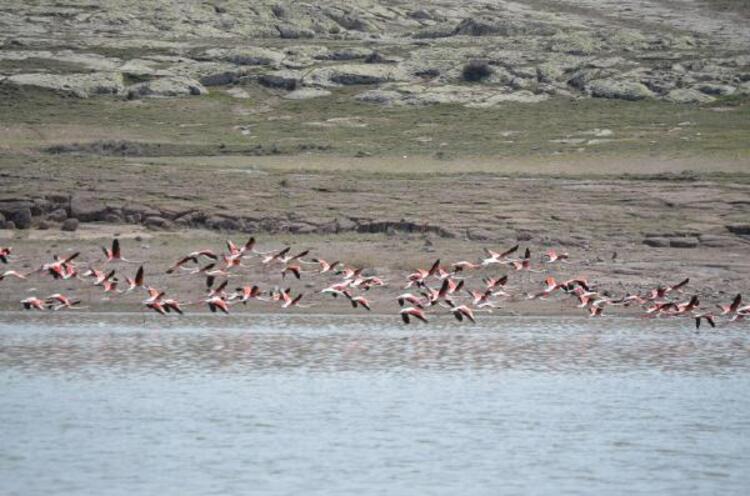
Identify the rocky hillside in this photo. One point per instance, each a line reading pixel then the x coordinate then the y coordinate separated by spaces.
pixel 401 53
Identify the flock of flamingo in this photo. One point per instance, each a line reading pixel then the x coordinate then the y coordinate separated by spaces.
pixel 437 288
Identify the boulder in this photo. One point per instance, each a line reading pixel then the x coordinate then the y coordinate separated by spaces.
pixel 22 218
pixel 9 208
pixel 156 222
pixel 656 242
pixel 242 56
pixel 290 31
pixel 58 215
pixel 86 208
pixel 624 90
pixel 70 225
pixel 717 89
pixel 687 95
pixel 352 74
pixel 9 224
pixel 80 85
pixel 167 87
pixel 221 223
pixel 683 242
pixel 283 79
pixel 42 225
pixel 740 229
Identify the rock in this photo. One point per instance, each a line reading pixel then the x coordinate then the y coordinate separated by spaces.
pixel 484 25
pixel 656 242
pixel 42 226
pixel 86 208
pixel 112 218
pixel 70 225
pixel 223 223
pixel 348 53
pixel 624 90
pixel 22 218
pixel 167 86
pixel 351 74
pixel 2 219
pixel 80 85
pixel 243 56
pixel 59 199
pixel 9 224
pixel 40 206
pixel 715 241
pixel 283 79
pixel 687 95
pixel 58 215
pixel 306 93
pixel 224 78
pixel 344 224
pixel 740 229
pixel 683 242
pixel 290 31
pixel 717 89
pixel 9 208
pixel 156 222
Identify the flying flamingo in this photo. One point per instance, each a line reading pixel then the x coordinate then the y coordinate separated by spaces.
pixel 732 307
pixel 114 254
pixel 497 258
pixel 137 282
pixel 408 312
pixel 5 252
pixel 13 273
pixel 358 301
pixel 32 302
pixel 553 256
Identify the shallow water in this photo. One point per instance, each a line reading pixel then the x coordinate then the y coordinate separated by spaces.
pixel 123 404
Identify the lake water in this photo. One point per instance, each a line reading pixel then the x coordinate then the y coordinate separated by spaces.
pixel 328 405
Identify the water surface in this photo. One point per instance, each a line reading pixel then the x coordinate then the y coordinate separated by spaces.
pixel 123 404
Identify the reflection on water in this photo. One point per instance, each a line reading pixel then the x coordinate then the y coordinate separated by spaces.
pixel 123 342
pixel 123 404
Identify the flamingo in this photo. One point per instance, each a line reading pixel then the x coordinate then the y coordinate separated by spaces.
pixel 32 302
pixel 324 266
pixel 5 252
pixel 732 307
pixel 295 270
pixel 137 282
pixel 497 258
pixel 247 293
pixel 289 302
pixel 553 256
pixel 271 257
pixel 114 254
pixel 411 299
pixel 337 289
pixel 419 276
pixel 704 316
pixel 62 302
pixel 12 273
pixel 408 312
pixel 358 301
pixel 461 311
pixel 464 265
